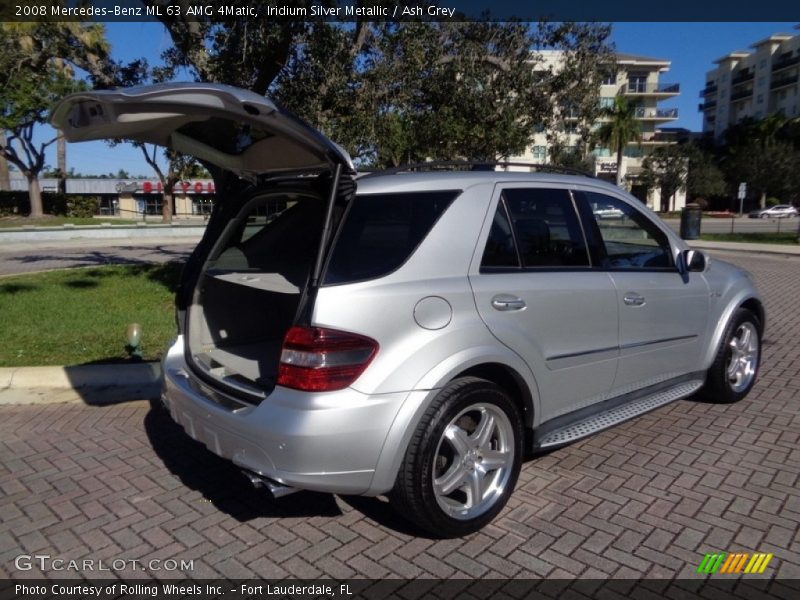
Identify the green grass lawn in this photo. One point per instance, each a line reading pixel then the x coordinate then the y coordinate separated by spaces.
pixel 51 221
pixel 77 316
pixel 754 238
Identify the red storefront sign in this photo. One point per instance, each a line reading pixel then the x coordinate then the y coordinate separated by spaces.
pixel 182 187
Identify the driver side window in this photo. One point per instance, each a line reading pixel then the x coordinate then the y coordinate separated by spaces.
pixel 630 239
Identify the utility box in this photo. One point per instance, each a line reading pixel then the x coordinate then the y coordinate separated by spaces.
pixel 691 215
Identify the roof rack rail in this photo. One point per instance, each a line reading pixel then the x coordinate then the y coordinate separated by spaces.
pixel 477 165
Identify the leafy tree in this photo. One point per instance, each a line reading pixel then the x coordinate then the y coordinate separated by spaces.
pixel 62 46
pixel 570 157
pixel 621 128
pixel 26 94
pixel 705 179
pixel 241 51
pixel 666 169
pixel 766 155
pixel 5 176
pixel 394 92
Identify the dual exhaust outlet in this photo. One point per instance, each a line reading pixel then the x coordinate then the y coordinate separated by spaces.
pixel 277 490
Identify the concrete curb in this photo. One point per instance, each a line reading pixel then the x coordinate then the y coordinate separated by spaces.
pixel 12 236
pixel 91 384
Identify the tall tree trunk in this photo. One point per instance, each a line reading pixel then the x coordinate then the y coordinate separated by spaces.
pixel 5 176
pixel 619 166
pixel 168 200
pixel 35 195
pixel 61 158
pixel 762 203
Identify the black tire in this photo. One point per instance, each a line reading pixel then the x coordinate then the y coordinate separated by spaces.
pixel 719 386
pixel 414 495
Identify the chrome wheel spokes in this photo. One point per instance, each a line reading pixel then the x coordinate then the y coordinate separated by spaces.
pixel 474 460
pixel 743 357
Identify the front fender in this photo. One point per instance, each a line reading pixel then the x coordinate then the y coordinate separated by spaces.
pixel 730 288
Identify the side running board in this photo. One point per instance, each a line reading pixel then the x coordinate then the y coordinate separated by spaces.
pixel 608 418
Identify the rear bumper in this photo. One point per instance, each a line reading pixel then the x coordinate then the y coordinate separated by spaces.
pixel 327 442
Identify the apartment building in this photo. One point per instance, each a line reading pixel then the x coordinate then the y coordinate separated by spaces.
pixel 639 79
pixel 754 83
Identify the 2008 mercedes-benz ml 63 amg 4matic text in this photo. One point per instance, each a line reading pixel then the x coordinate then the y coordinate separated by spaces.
pixel 416 334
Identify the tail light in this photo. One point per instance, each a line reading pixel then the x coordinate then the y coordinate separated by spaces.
pixel 316 359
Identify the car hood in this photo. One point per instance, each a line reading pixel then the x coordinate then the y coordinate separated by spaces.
pixel 231 128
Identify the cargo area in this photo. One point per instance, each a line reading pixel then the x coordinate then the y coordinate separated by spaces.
pixel 251 286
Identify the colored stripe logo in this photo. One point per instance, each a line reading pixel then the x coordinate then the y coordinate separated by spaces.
pixel 734 563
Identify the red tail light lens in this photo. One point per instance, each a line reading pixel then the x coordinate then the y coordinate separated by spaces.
pixel 316 359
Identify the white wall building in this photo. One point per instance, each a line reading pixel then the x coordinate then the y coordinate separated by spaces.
pixel 638 78
pixel 753 83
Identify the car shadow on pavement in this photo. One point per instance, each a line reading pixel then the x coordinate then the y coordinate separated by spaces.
pixel 220 481
pixel 224 485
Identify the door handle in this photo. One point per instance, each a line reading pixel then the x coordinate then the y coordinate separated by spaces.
pixel 633 299
pixel 507 302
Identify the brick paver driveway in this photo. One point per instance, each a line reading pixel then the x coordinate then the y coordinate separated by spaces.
pixel 646 499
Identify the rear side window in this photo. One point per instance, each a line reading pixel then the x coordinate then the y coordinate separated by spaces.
pixel 546 228
pixel 381 231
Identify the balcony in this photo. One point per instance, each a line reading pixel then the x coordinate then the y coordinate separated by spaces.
pixel 659 137
pixel 743 77
pixel 741 95
pixel 706 105
pixel 657 114
pixel 653 89
pixel 709 89
pixel 785 62
pixel 783 81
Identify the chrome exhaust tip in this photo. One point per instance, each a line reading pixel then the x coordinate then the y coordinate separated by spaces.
pixel 277 490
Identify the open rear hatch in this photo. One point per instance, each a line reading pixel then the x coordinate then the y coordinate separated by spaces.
pixel 279 181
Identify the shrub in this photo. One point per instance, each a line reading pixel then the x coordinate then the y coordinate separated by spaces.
pixel 82 206
pixel 14 203
pixel 53 204
pixel 772 202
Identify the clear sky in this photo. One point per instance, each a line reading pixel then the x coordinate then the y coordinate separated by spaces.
pixel 692 48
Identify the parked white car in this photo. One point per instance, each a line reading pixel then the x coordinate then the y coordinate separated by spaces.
pixel 779 211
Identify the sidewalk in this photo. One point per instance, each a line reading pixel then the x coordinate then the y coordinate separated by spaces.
pixel 91 384
pixel 785 249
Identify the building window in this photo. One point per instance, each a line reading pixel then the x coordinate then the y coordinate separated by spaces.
pixel 760 99
pixel 202 205
pixel 763 63
pixel 760 82
pixel 540 153
pixel 606 102
pixel 609 79
pixel 725 77
pixel 637 82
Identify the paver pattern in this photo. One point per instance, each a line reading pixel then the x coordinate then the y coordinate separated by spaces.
pixel 646 499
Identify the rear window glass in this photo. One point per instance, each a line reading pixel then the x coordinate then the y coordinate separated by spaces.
pixel 381 231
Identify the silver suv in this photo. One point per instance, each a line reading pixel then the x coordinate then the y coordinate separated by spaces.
pixel 417 334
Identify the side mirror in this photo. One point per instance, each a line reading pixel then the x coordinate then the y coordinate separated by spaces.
pixel 695 260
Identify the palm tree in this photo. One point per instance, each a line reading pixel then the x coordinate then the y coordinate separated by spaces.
pixel 620 128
